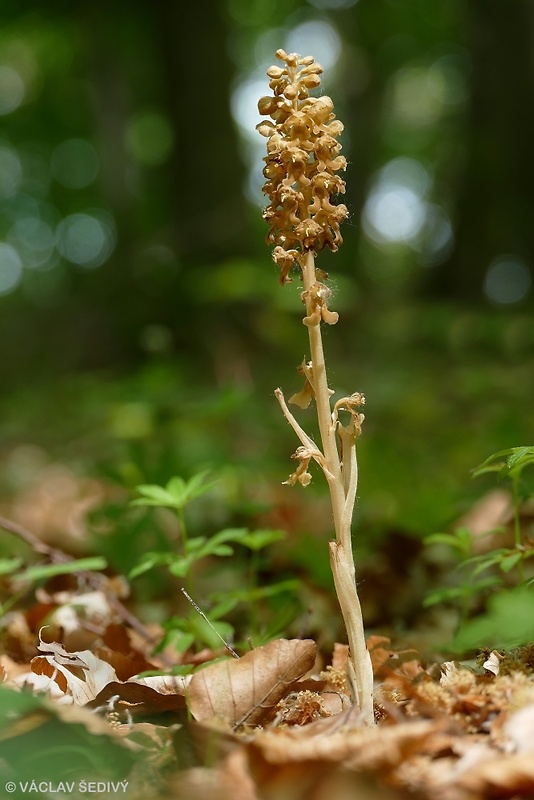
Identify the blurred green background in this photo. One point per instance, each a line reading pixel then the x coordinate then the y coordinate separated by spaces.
pixel 142 327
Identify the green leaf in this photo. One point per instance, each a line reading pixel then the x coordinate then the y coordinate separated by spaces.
pixel 509 562
pixel 9 565
pixel 176 494
pixel 226 604
pixel 154 496
pixel 195 487
pixel 516 459
pixel 66 568
pixel 486 561
pixel 508 623
pixel 459 540
pixel 521 457
pixel 180 640
pixel 466 590
pixel 148 562
pixel 181 566
pixel 176 488
pixel 195 544
pixel 203 631
pixel 257 540
pixel 248 595
pixel 223 550
pixel 443 596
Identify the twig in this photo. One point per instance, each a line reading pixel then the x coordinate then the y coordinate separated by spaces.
pixel 92 578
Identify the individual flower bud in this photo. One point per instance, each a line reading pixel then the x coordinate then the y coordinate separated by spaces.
pixel 275 72
pixel 307 233
pixel 265 128
pixel 312 68
pixel 320 108
pixel 267 105
pixel 291 91
pixel 310 81
pixel 285 260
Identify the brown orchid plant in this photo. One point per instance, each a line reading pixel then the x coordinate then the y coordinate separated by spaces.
pixel 301 166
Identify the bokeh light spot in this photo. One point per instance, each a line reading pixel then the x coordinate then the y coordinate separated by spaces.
pixel 84 240
pixel 10 268
pixel 317 38
pixel 417 96
pixel 34 240
pixel 507 280
pixel 149 138
pixel 437 236
pixel 395 209
pixel 75 163
pixel 12 89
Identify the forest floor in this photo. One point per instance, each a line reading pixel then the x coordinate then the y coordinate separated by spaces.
pixel 275 724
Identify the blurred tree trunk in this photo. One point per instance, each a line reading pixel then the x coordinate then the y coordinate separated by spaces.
pixel 495 206
pixel 208 174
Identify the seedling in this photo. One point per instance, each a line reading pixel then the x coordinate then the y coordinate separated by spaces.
pixel 301 166
pixel 510 464
pixel 515 461
pixel 209 626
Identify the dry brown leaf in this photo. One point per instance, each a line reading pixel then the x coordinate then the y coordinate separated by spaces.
pixel 79 680
pixel 340 656
pixel 239 777
pixel 370 749
pixel 243 691
pixel 501 777
pixel 136 699
pixel 519 729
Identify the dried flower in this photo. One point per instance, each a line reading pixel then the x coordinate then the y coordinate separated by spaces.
pixel 300 166
pixel 303 455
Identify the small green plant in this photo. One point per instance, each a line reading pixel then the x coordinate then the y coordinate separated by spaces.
pixel 510 464
pixel 467 589
pixel 182 632
pixel 301 166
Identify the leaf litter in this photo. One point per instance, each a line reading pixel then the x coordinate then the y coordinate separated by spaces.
pixel 275 724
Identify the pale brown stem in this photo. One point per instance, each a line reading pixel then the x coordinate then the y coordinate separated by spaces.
pixel 342 479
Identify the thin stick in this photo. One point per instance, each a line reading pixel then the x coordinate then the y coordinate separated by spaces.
pixel 92 578
pixel 204 617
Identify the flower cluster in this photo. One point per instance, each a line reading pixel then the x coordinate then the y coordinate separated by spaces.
pixel 302 159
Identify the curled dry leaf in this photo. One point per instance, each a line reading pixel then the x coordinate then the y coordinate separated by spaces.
pixel 79 681
pixel 139 699
pixel 244 691
pixel 505 776
pixel 86 680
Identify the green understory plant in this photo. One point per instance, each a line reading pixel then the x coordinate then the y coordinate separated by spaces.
pixel 205 624
pixel 507 464
pixel 301 166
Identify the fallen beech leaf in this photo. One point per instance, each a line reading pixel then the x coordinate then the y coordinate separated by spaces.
pixel 375 749
pixel 493 662
pixel 137 699
pixel 340 656
pixel 243 691
pixel 508 776
pixel 92 674
pixel 519 728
